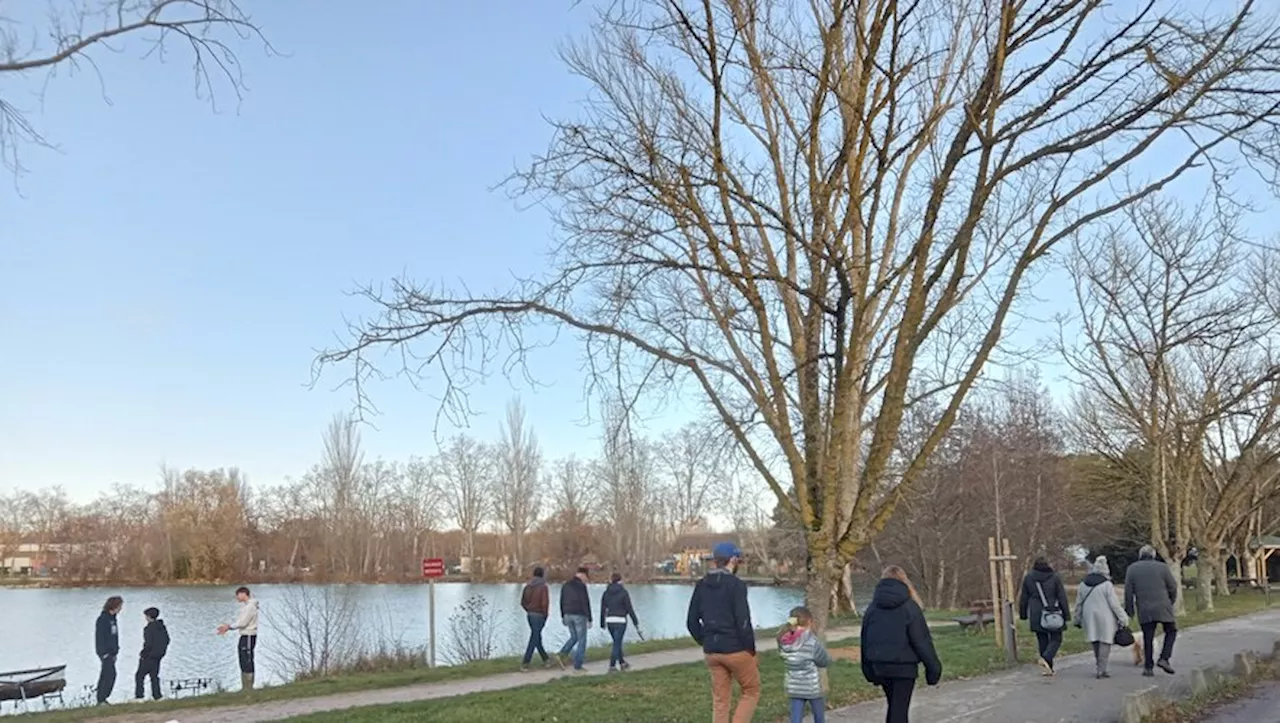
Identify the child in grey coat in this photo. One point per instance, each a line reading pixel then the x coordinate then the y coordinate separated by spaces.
pixel 803 653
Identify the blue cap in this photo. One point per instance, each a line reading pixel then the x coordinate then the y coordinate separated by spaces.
pixel 725 551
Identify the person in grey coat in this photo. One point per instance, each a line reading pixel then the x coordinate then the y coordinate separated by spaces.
pixel 1150 590
pixel 803 653
pixel 1099 613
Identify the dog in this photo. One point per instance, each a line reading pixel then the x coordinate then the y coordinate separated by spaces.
pixel 1138 656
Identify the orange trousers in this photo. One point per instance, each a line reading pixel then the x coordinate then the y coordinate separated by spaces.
pixel 742 668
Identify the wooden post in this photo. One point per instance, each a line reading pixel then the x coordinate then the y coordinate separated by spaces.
pixel 998 609
pixel 1011 599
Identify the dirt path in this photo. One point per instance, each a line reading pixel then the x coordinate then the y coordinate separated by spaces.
pixel 1074 696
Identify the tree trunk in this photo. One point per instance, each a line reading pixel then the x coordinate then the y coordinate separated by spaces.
pixel 1175 566
pixel 1220 576
pixel 817 597
pixel 1204 583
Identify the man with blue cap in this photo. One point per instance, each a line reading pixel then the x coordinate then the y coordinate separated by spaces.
pixel 720 621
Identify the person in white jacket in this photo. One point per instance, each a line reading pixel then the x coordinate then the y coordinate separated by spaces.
pixel 1099 612
pixel 247 623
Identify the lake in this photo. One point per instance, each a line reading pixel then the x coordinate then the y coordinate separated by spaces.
pixel 54 626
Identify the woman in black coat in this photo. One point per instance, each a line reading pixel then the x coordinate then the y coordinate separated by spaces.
pixel 896 642
pixel 1042 590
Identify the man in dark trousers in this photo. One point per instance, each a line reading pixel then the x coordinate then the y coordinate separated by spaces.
pixel 720 621
pixel 575 610
pixel 155 643
pixel 536 601
pixel 1150 590
pixel 247 625
pixel 106 641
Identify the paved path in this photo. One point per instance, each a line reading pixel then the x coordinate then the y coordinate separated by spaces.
pixel 1262 705
pixel 1074 696
pixel 282 709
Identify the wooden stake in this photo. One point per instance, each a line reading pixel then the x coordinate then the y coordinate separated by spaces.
pixel 1007 562
pixel 995 591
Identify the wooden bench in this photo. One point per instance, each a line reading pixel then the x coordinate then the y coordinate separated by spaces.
pixel 981 614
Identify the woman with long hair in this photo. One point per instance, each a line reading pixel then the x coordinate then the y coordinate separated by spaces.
pixel 896 642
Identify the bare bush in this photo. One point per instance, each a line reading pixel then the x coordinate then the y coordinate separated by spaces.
pixel 315 625
pixel 473 632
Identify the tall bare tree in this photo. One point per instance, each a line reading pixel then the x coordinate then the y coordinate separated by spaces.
pixel 695 459
pixel 810 215
pixel 1169 347
pixel 67 34
pixel 517 489
pixel 466 479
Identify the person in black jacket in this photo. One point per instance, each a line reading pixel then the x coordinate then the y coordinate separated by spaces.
pixel 155 643
pixel 896 641
pixel 106 641
pixel 720 621
pixel 575 612
pixel 615 608
pixel 1043 591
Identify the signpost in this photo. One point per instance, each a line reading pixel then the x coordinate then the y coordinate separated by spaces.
pixel 432 568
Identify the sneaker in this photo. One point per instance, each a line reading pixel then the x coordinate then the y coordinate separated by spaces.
pixel 1148 673
pixel 612 670
pixel 579 670
pixel 524 669
pixel 1164 665
pixel 560 661
pixel 626 667
pixel 1047 668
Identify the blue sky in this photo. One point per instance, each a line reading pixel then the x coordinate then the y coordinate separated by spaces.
pixel 169 270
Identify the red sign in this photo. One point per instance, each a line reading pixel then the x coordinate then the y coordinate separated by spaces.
pixel 432 567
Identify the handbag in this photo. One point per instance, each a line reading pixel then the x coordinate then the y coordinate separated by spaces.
pixel 1124 637
pixel 1051 618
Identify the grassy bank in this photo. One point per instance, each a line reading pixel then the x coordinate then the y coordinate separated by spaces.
pixel 679 693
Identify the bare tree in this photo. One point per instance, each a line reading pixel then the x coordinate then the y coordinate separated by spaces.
pixel 466 474
pixel 694 459
pixel 564 531
pixel 518 484
pixel 70 33
pixel 805 215
pixel 628 496
pixel 317 630
pixel 1167 350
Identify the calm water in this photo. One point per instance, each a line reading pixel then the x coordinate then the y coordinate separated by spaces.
pixel 55 626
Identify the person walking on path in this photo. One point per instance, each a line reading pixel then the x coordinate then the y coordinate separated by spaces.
pixel 1150 590
pixel 155 643
pixel 247 623
pixel 802 654
pixel 1099 613
pixel 106 641
pixel 720 621
pixel 615 608
pixel 1043 602
pixel 536 601
pixel 575 611
pixel 896 641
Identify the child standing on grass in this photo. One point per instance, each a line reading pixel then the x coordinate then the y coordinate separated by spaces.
pixel 803 653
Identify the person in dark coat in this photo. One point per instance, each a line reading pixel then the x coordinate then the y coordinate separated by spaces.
pixel 615 608
pixel 106 641
pixel 1150 590
pixel 896 642
pixel 536 601
pixel 1043 590
pixel 575 612
pixel 719 620
pixel 155 643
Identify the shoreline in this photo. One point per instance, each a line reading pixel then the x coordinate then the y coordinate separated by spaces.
pixel 46 583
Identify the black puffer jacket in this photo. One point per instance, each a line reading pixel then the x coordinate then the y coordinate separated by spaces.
pixel 1055 593
pixel 895 637
pixel 616 602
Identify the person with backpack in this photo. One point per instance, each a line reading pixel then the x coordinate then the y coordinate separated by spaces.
pixel 896 641
pixel 1099 613
pixel 155 643
pixel 1043 602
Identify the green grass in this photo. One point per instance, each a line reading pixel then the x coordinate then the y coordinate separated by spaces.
pixel 680 693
